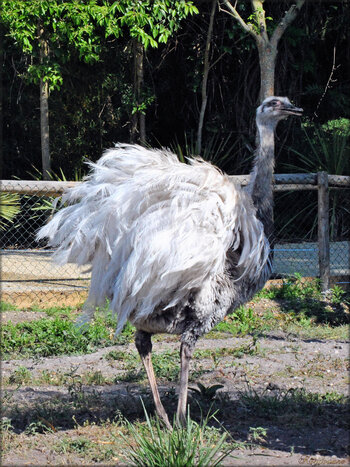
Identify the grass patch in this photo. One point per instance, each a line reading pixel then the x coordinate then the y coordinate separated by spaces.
pixel 302 310
pixel 303 300
pixel 4 306
pixel 20 376
pixel 297 407
pixel 167 363
pixel 241 322
pixel 59 336
pixel 193 445
pixel 58 311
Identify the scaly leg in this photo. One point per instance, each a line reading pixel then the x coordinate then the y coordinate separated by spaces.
pixel 186 353
pixel 144 346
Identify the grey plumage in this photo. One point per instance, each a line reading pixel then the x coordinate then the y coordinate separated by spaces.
pixel 174 247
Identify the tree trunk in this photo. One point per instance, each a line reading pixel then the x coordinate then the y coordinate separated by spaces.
pixel 44 129
pixel 205 79
pixel 138 120
pixel 267 62
pixel 44 110
pixel 267 46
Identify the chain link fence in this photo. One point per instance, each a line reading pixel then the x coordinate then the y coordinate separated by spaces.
pixel 312 230
pixel 29 276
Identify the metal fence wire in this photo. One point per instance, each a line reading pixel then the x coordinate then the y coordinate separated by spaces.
pixel 312 227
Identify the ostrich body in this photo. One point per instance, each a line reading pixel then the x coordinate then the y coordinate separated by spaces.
pixel 173 247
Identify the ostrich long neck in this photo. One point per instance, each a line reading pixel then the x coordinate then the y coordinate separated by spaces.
pixel 260 184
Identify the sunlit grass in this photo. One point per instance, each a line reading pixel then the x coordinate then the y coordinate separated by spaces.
pixel 301 310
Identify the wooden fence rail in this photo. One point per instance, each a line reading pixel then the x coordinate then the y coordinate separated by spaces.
pixel 282 182
pixel 320 181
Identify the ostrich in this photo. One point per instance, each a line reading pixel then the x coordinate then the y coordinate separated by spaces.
pixel 174 247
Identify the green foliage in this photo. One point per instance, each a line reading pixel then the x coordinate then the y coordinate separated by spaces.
pixel 258 434
pixel 166 363
pixel 10 206
pixel 47 337
pixel 328 148
pixel 241 321
pixel 4 306
pixel 304 303
pixel 80 445
pixel 20 376
pixel 254 20
pixel 325 148
pixel 222 152
pixel 5 425
pixel 61 24
pixel 338 295
pixel 75 25
pixel 339 126
pixel 151 22
pixel 294 405
pixel 293 287
pixel 207 392
pixel 193 445
pixel 38 427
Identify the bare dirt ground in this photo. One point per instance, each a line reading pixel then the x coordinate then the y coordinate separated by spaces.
pixel 309 432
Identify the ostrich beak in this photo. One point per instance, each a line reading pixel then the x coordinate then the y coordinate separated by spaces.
pixel 290 109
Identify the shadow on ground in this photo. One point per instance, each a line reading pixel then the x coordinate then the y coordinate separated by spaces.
pixel 292 421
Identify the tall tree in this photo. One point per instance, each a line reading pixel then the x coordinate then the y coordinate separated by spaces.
pixel 256 26
pixel 206 69
pixel 42 29
pixel 48 29
pixel 148 23
pixel 44 105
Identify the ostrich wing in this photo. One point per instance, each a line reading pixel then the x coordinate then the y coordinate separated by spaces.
pixel 154 229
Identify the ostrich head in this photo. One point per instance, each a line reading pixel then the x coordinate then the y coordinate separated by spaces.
pixel 273 109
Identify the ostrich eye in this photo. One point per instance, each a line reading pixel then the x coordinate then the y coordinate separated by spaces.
pixel 271 105
pixel 274 103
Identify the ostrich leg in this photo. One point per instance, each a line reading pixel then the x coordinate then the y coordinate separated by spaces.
pixel 186 353
pixel 144 346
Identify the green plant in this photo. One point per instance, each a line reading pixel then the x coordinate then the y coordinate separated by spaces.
pixel 38 427
pixel 79 445
pixel 258 434
pixel 166 364
pixel 6 425
pixel 293 287
pixel 242 321
pixel 4 306
pixel 21 375
pixel 79 396
pixel 10 206
pixel 328 150
pixel 193 445
pixel 46 337
pixel 207 392
pixel 222 152
pixel 95 377
pixel 337 294
pixel 294 405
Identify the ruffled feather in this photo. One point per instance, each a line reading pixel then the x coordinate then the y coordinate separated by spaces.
pixel 154 230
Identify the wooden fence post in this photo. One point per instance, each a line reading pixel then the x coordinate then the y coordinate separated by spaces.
pixel 323 229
